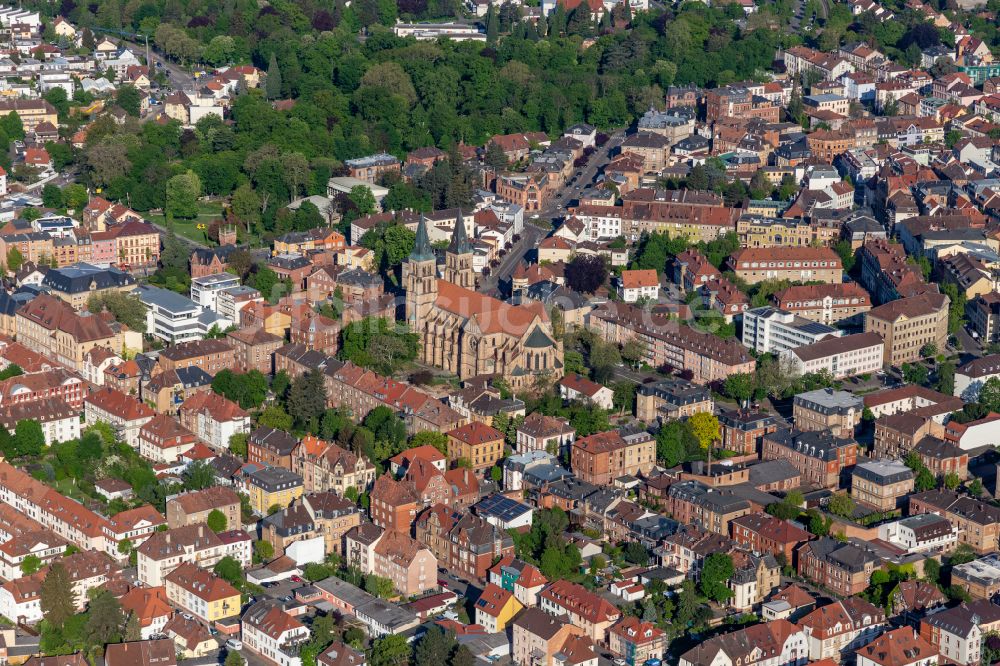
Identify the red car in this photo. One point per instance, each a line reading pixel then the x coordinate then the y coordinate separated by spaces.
pixel 296 579
pixel 442 582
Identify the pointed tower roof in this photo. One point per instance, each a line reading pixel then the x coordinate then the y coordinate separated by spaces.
pixel 459 239
pixel 422 250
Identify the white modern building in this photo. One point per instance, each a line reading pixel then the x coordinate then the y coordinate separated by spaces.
pixel 205 290
pixel 174 318
pixel 845 356
pixel 770 330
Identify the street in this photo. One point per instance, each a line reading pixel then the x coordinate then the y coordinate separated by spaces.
pixel 540 223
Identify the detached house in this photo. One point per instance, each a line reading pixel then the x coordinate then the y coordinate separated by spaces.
pixel 273 634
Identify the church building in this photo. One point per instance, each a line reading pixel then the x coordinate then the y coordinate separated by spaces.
pixel 468 333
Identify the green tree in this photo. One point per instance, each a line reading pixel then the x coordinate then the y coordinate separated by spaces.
pixel 989 394
pixel 976 487
pixel 272 82
pixel 391 650
pixel 128 97
pixel 245 205
pixel 29 439
pixel 183 191
pixel 216 521
pixel 126 308
pixel 307 397
pixel 715 573
pixel 951 481
pixel 30 564
pixel 841 504
pixel 52 196
pixel 233 658
pixel 238 444
pixel 14 259
pixel 434 648
pixel 739 386
pixel 230 570
pixel 56 596
pixel 363 199
pixel 430 438
pixel 264 550
pixel 105 619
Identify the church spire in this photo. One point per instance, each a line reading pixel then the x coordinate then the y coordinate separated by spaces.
pixel 459 239
pixel 422 250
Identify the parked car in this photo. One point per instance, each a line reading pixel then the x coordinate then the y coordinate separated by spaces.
pixel 234 644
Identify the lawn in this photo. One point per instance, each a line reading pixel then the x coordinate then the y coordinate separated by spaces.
pixel 208 211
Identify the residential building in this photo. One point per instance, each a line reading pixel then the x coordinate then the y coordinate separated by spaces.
pixel 798 264
pixel 495 608
pixel 824 303
pixel 174 318
pixel 192 508
pixel 213 418
pixel 775 643
pixel 539 432
pixel 817 454
pixel 163 552
pixel 538 637
pixel 635 285
pixel 978 522
pixel 667 343
pixel 603 457
pixel 958 632
pixel 583 608
pixel 325 466
pixel 462 542
pixel 208 355
pixel 575 387
pixel 837 629
pixel 270 487
pixel 164 440
pixel 253 349
pixel 394 504
pixel 272 634
pixel 636 641
pixel 744 430
pixel 51 327
pixel 970 377
pixel 881 484
pixel 201 593
pixel 671 399
pixel 155 652
pixel 845 568
pixel 980 578
pixel 826 409
pixel 59 421
pixel 477 443
pixel 324 515
pixel 899 647
pixel 762 533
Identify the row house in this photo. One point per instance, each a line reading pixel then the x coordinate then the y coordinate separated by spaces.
pixel 213 418
pixel 762 533
pixel 56 386
pixel 196 544
pixel 603 457
pixel 125 414
pixel 133 527
pixel 323 515
pixel 828 303
pixel 775 643
pixel 20 600
pixel 837 629
pixel 325 466
pixel 69 519
pixel 668 343
pixel 818 455
pixel 462 542
pixel 845 568
pixel 978 522
pixel 797 264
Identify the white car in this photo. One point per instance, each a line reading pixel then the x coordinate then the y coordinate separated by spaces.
pixel 234 644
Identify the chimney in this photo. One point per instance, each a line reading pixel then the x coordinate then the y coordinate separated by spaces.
pixel 201 531
pixel 168 537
